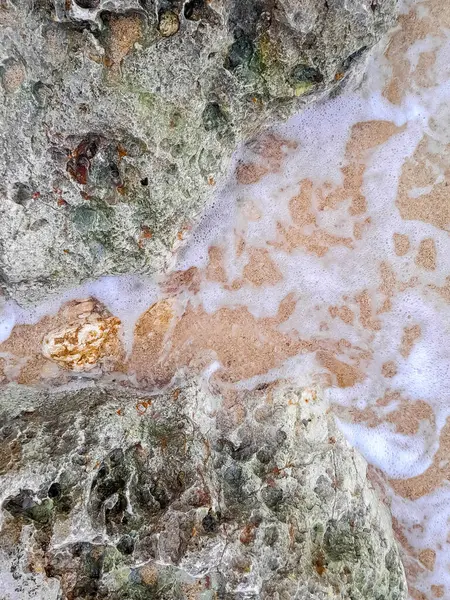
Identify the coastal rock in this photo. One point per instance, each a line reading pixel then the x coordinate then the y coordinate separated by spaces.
pixel 119 118
pixel 188 494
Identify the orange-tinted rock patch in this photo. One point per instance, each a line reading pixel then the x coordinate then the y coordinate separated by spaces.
pixel 81 336
pixel 124 31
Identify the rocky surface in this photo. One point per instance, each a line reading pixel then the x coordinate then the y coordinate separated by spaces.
pixel 119 117
pixel 111 493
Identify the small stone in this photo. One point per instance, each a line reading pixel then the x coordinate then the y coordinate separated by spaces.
pixel 169 23
pixel 265 455
pixel 213 117
pixel 304 73
pixel 271 535
pixel 240 52
pixel 80 345
pixel 233 475
pixel 125 545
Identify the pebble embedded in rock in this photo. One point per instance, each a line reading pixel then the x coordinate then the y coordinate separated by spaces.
pixel 169 23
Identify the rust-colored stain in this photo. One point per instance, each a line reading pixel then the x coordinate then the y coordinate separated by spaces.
pixel 320 563
pixel 141 407
pixel 247 535
pixel 146 232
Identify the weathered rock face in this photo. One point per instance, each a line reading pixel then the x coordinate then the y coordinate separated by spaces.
pixel 118 118
pixel 110 493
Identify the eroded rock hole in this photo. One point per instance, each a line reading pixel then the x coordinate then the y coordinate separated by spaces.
pixel 89 4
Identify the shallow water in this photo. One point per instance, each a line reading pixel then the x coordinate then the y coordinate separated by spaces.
pixel 324 259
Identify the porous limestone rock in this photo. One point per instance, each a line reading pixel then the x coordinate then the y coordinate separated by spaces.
pixel 120 116
pixel 111 493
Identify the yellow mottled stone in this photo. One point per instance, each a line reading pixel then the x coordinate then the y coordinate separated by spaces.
pixel 80 346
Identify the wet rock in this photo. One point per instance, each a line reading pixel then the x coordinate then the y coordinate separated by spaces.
pixel 125 545
pixel 162 507
pixel 132 111
pixel 86 339
pixel 25 505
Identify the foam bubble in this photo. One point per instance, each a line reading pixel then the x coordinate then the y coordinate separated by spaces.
pixel 7 321
pixel 399 456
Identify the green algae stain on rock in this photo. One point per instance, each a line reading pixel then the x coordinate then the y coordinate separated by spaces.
pixel 305 78
pixel 90 219
pixel 26 505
